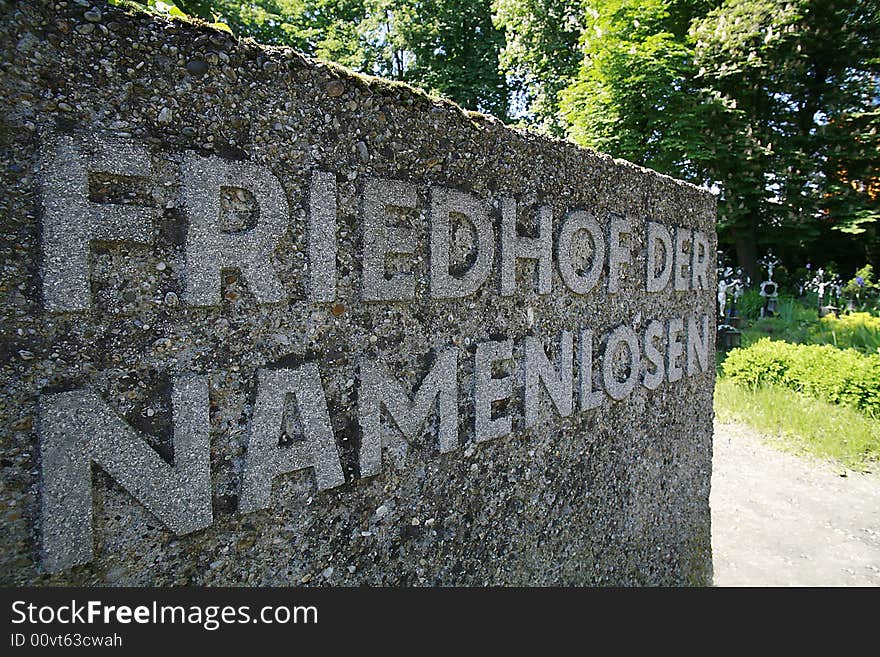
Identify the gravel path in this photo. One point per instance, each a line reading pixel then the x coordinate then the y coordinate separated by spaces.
pixel 780 519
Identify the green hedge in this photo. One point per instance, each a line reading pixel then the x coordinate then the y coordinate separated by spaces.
pixel 840 376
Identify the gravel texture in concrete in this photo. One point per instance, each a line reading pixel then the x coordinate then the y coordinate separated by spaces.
pixel 266 321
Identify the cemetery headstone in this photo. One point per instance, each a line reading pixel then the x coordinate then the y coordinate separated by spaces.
pixel 266 321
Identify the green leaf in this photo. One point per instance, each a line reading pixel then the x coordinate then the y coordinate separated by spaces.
pixel 221 26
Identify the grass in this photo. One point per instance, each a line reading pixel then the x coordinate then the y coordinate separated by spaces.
pixel 794 323
pixel 793 420
pixel 802 424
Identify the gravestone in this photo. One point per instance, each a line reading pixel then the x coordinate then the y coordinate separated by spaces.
pixel 266 321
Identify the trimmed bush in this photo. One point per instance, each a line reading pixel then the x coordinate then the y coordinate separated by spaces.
pixel 840 376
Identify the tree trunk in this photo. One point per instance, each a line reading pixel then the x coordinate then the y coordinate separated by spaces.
pixel 747 253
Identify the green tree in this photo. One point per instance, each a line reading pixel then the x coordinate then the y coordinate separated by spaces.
pixel 456 50
pixel 771 103
pixel 323 28
pixel 540 56
pixel 739 53
pixel 451 47
pixel 851 205
pixel 798 76
pixel 633 95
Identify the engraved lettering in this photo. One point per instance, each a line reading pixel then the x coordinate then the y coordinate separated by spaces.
pixel 515 247
pixel 655 373
pixel 700 261
pixel 322 236
pixel 697 346
pixel 674 349
pixel 266 457
pixel 382 240
pixel 78 428
pixel 557 380
pixel 619 389
pixel 659 246
pixel 618 253
pixel 681 271
pixel 589 397
pixel 71 222
pixel 209 248
pixel 380 390
pixel 488 389
pixel 444 202
pixel 575 223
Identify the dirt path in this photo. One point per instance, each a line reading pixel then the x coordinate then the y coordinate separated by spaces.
pixel 780 519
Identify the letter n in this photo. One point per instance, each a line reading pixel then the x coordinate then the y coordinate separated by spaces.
pixel 378 389
pixel 557 381
pixel 77 428
pixel 697 346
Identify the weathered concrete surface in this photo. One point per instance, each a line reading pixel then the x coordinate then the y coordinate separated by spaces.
pixel 169 198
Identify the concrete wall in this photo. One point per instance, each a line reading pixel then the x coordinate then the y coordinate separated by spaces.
pixel 269 322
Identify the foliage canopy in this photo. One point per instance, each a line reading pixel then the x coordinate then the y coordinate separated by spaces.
pixel 772 104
